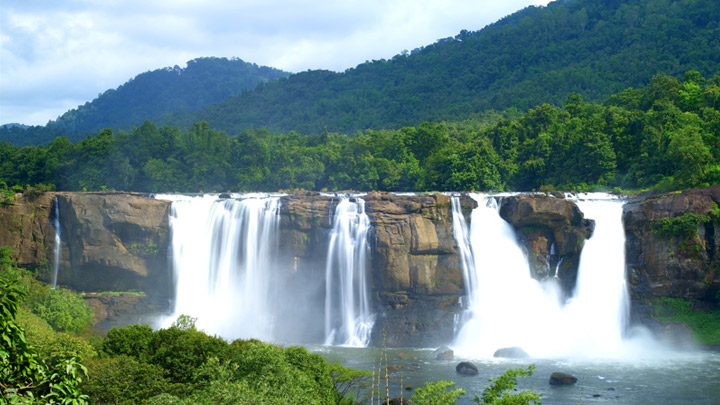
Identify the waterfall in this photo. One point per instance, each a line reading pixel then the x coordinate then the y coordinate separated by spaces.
pixel 222 255
pixel 506 307
pixel 348 317
pixel 58 244
pixel 601 303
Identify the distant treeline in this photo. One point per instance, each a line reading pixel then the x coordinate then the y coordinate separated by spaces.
pixel 664 136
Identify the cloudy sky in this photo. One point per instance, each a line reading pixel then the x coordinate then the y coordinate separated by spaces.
pixel 56 55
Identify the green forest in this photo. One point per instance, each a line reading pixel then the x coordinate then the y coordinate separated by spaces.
pixel 663 136
pixel 537 55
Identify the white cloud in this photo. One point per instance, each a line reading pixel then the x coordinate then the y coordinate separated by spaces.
pixel 57 55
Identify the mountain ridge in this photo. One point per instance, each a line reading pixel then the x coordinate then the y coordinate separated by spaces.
pixel 537 55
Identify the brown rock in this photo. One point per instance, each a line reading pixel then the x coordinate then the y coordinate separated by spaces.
pixel 552 231
pixel 675 267
pixel 25 227
pixel 114 242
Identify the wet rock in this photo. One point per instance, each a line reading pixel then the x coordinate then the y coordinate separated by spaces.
pixel 444 353
pixel 511 353
pixel 416 269
pixel 552 231
pixel 466 368
pixel 559 378
pixel 676 266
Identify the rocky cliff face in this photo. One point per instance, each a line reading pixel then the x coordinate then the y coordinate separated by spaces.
pixel 552 231
pixel 25 227
pixel 114 242
pixel 111 242
pixel 417 273
pixel 673 263
pixel 119 242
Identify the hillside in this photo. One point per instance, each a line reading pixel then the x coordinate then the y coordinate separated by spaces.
pixel 150 95
pixel 663 136
pixel 534 56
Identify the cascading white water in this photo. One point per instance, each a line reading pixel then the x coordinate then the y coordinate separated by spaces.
pixel 600 303
pixel 348 316
pixel 58 246
pixel 506 307
pixel 223 252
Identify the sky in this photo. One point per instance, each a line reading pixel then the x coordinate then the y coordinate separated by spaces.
pixel 57 55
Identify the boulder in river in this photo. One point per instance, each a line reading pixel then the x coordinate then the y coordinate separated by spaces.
pixel 511 353
pixel 558 378
pixel 444 353
pixel 466 368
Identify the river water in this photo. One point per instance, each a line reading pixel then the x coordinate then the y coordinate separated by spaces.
pixel 666 378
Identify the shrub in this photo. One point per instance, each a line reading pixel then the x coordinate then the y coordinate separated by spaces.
pixel 436 393
pixel 684 226
pixel 123 380
pixel 64 310
pixel 502 390
pixel 133 340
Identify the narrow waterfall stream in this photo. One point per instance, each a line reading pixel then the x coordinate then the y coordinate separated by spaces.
pixel 348 316
pixel 508 308
pixel 58 244
pixel 223 251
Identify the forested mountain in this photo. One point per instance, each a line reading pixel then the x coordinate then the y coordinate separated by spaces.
pixel 537 55
pixel 150 95
pixel 664 136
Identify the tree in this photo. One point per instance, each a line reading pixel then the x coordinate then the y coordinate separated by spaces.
pixel 24 377
pixel 502 390
pixel 436 393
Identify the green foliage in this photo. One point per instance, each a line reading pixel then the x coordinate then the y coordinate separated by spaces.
pixel 180 351
pixel 24 376
pixel 7 195
pixel 684 226
pixel 348 381
pixel 151 95
pixel 64 310
pixel 537 55
pixel 144 249
pixel 50 344
pixel 131 340
pixel 704 325
pixel 638 139
pixel 123 380
pixel 436 393
pixel 189 366
pixel 21 367
pixel 502 390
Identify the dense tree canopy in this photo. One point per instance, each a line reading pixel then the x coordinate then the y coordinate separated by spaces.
pixel 665 135
pixel 537 55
